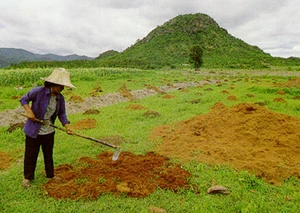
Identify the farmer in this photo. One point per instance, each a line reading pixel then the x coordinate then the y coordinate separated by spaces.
pixel 47 104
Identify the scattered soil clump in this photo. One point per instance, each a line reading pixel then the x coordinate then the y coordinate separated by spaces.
pixel 232 98
pixel 5 160
pixel 155 89
pixel 91 112
pixel 297 97
pixel 15 126
pixel 151 114
pixel 133 175
pixel 280 92
pixel 76 99
pixel 196 101
pixel 295 82
pixel 125 92
pixel 84 124
pixel 136 107
pixel 225 92
pixel 250 95
pixel 281 100
pixel 168 96
pixel 246 136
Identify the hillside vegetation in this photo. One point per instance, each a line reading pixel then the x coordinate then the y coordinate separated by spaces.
pixel 169 46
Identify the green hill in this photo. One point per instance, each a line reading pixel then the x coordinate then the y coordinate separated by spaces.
pixel 170 44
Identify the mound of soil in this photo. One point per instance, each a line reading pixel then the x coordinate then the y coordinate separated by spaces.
pixel 133 175
pixel 5 160
pixel 126 92
pixel 13 127
pixel 84 124
pixel 295 82
pixel 168 96
pixel 136 107
pixel 91 112
pixel 151 114
pixel 246 136
pixel 156 89
pixel 281 100
pixel 231 98
pixel 76 99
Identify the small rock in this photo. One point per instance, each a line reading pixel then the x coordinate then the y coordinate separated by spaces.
pixel 154 209
pixel 218 189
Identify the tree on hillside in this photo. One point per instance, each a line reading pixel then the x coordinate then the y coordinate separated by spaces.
pixel 196 54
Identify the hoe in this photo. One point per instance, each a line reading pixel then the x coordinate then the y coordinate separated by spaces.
pixel 117 148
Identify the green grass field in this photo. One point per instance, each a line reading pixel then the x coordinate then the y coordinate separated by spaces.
pixel 248 193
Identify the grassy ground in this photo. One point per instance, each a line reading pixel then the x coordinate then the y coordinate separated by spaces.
pixel 248 193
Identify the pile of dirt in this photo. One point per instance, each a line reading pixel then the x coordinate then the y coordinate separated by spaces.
pixel 136 107
pixel 91 112
pixel 168 96
pixel 155 89
pixel 151 114
pixel 281 100
pixel 246 136
pixel 5 160
pixel 295 82
pixel 126 92
pixel 13 127
pixel 76 99
pixel 133 175
pixel 84 124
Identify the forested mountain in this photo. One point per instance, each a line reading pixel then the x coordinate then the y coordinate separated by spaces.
pixel 10 56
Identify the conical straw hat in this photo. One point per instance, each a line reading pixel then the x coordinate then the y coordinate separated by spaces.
pixel 60 76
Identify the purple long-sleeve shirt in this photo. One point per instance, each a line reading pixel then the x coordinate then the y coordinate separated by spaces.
pixel 40 96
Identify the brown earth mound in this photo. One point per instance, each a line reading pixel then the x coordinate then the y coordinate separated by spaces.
pixel 91 112
pixel 13 127
pixel 136 107
pixel 281 100
pixel 133 175
pixel 168 96
pixel 84 124
pixel 76 99
pixel 246 136
pixel 292 83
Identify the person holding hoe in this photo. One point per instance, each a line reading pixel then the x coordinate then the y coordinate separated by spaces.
pixel 47 104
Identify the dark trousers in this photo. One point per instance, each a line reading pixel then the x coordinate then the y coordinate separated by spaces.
pixel 32 148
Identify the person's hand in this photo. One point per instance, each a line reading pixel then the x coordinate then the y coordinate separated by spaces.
pixel 68 129
pixel 31 116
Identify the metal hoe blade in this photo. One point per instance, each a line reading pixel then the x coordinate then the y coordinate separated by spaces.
pixel 116 153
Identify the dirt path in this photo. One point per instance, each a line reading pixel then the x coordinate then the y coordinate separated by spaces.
pixel 12 117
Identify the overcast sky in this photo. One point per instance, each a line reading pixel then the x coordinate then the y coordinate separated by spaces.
pixel 90 27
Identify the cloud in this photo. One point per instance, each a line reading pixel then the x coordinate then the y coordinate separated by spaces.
pixel 90 27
